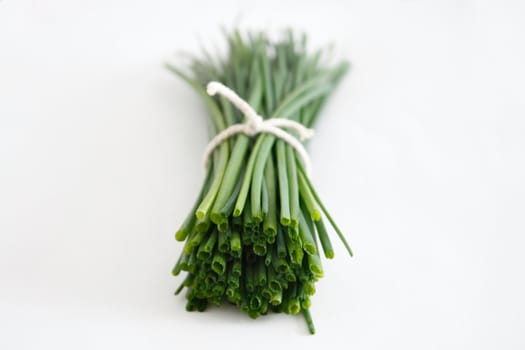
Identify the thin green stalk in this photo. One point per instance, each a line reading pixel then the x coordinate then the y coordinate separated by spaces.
pixel 257 180
pixel 281 243
pixel 190 221
pixel 207 202
pixel 235 244
pixel 326 213
pixel 205 250
pixel 293 186
pixel 307 198
pixel 309 321
pixel 314 264
pixel 283 183
pixel 270 219
pixel 224 241
pixel 324 238
pixel 231 177
pixel 306 235
pixel 243 194
pixel 264 199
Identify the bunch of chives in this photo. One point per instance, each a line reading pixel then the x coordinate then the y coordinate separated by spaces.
pixel 255 233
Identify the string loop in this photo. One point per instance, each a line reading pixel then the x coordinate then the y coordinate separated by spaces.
pixel 256 124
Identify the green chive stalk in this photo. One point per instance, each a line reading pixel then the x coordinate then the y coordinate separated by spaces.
pixel 251 238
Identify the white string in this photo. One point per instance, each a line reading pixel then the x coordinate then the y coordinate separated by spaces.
pixel 256 124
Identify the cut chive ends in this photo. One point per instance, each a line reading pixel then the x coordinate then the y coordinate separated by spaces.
pixel 256 232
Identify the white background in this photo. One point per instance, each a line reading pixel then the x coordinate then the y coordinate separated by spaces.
pixel 419 156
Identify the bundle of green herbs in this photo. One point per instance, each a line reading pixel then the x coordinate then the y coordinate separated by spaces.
pixel 255 234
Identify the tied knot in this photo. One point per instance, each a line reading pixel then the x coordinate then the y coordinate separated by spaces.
pixel 256 124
